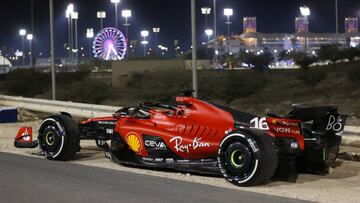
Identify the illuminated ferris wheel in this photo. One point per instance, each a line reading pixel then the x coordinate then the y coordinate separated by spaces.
pixel 110 44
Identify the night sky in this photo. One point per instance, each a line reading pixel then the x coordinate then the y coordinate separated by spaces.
pixel 172 16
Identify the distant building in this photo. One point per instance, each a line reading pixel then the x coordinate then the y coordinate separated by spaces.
pixel 249 24
pixel 4 65
pixel 297 41
pixel 4 62
pixel 46 62
pixel 351 25
pixel 301 25
pixel 302 39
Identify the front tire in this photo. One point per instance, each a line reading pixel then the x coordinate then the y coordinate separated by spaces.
pixel 121 153
pixel 247 158
pixel 59 138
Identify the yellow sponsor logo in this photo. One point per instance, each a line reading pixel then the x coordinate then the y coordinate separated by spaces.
pixel 134 142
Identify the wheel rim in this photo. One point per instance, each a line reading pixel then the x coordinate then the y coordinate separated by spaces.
pixel 50 138
pixel 237 159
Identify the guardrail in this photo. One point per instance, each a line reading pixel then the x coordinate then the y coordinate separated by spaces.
pixel 49 106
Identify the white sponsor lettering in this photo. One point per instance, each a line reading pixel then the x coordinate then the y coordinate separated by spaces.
pixel 109 131
pixel 259 123
pixel 178 144
pixel 180 147
pixel 182 161
pixel 289 123
pixel 170 160
pixel 159 159
pixel 252 145
pixel 154 144
pixel 197 143
pixel 107 122
pixel 334 124
pixel 282 130
pixel 147 159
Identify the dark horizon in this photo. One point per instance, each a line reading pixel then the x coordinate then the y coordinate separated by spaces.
pixel 173 17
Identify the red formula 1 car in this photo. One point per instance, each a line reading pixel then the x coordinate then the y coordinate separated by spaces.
pixel 196 135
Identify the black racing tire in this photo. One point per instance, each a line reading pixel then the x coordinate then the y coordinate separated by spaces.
pixel 120 152
pixel 59 138
pixel 247 158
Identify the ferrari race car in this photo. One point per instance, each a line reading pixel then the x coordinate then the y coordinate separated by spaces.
pixel 198 136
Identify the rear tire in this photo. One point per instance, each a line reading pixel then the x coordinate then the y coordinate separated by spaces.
pixel 247 158
pixel 59 138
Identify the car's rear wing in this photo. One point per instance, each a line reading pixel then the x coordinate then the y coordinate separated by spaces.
pixel 313 126
pixel 319 121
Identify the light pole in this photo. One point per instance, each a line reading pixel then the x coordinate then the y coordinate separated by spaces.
pixel 22 33
pixel 156 30
pixel 126 14
pixel 194 48
pixel 90 36
pixel 228 12
pixel 305 12
pixel 101 15
pixel 206 11
pixel 68 14
pixel 144 34
pixel 337 21
pixel 76 50
pixel 215 33
pixel 30 38
pixel 32 57
pixel 116 3
pixel 52 45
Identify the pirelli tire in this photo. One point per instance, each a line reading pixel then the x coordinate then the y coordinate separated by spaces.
pixel 59 138
pixel 247 158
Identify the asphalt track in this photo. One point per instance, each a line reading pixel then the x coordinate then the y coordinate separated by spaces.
pixel 28 179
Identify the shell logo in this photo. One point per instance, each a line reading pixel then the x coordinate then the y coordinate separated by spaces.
pixel 133 140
